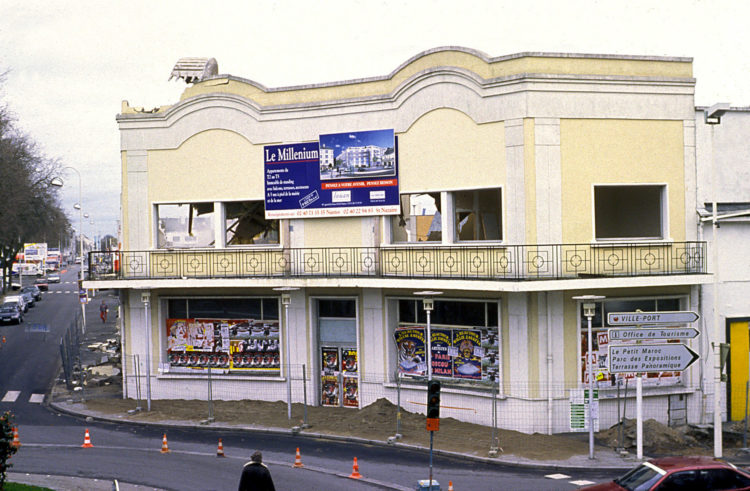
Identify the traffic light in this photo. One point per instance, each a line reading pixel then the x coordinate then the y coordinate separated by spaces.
pixel 433 399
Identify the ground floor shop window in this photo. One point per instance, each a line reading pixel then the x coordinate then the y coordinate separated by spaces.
pixel 600 340
pixel 239 335
pixel 464 342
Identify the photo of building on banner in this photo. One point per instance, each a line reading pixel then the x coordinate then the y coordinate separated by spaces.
pixel 344 174
pixel 456 353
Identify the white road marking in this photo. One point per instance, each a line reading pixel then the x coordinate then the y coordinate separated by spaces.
pixel 36 398
pixel 557 476
pixel 11 396
pixel 582 482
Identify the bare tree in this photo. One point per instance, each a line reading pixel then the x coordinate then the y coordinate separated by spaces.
pixel 29 206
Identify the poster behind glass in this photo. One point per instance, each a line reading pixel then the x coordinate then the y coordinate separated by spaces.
pixel 237 345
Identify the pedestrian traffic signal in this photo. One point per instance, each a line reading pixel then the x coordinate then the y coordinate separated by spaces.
pixel 433 399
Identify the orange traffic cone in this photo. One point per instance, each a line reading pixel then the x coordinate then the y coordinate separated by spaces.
pixel 87 440
pixel 450 485
pixel 355 471
pixel 164 446
pixel 297 460
pixel 220 450
pixel 16 442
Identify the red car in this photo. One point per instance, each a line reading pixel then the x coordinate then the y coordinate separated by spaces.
pixel 680 473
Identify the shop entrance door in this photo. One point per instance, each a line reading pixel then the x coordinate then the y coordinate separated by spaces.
pixel 338 356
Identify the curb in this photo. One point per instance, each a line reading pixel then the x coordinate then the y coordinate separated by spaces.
pixel 539 465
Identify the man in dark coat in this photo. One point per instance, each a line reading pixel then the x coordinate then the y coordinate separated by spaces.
pixel 256 476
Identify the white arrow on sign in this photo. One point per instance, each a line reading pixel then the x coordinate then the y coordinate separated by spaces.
pixel 641 333
pixel 635 318
pixel 650 358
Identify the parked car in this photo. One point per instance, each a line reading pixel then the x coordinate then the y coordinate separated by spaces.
pixel 11 312
pixel 20 300
pixel 53 278
pixel 42 284
pixel 28 297
pixel 34 290
pixel 673 473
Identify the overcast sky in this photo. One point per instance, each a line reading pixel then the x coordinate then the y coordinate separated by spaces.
pixel 72 63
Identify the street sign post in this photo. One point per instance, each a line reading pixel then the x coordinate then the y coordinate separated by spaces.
pixel 671 357
pixel 641 333
pixel 638 318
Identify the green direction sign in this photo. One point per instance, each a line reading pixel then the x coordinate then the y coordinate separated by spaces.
pixel 637 318
pixel 671 357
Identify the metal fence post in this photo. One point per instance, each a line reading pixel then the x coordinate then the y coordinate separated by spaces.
pixel 304 396
pixel 398 406
pixel 137 373
pixel 210 398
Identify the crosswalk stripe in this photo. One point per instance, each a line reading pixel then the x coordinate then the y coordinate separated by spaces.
pixel 36 398
pixel 582 482
pixel 557 476
pixel 11 396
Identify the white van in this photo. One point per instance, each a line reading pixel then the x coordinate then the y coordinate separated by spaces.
pixel 19 300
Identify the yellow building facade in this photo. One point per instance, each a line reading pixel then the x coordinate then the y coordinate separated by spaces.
pixel 523 181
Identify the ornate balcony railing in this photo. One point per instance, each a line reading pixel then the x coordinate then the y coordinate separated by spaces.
pixel 491 262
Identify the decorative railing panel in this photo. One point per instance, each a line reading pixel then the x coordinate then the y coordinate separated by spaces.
pixel 519 262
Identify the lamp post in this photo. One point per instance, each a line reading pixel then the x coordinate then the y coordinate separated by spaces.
pixel 428 305
pixel 712 117
pixel 286 301
pixel 589 310
pixel 58 182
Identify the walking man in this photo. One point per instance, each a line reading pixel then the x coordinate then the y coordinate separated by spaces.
pixel 103 311
pixel 255 475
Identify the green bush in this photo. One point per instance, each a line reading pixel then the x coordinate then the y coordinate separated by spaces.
pixel 6 445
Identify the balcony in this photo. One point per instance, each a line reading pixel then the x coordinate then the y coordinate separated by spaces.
pixel 491 262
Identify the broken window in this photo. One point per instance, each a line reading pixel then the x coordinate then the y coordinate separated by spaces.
pixel 185 225
pixel 478 214
pixel 419 220
pixel 246 223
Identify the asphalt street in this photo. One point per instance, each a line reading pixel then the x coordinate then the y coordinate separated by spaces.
pixel 51 441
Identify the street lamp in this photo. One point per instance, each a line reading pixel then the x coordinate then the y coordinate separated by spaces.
pixel 286 301
pixel 428 305
pixel 589 310
pixel 58 182
pixel 712 117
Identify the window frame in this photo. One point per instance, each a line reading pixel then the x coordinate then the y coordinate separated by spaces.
pixel 663 213
pixel 448 220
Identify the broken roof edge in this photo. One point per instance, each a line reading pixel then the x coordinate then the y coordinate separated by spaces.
pixel 193 69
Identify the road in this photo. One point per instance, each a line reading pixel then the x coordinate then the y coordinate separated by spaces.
pixel 51 442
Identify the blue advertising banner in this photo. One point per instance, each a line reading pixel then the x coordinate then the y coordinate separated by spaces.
pixel 344 174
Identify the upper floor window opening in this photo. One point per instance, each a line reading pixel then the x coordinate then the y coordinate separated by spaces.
pixel 629 212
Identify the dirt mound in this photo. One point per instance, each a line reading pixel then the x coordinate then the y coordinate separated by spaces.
pixel 658 439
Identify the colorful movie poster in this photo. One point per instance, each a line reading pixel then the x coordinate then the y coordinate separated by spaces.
pixel 254 345
pixel 468 362
pixel 442 363
pixel 491 358
pixel 330 361
pixel 410 343
pixel 349 361
pixel 330 390
pixel 351 391
pixel 236 344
